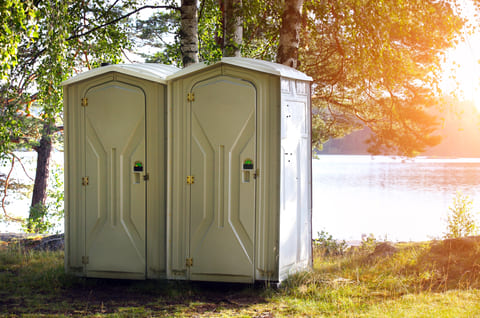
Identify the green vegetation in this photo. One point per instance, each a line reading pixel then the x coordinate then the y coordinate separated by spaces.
pixel 431 279
pixel 461 221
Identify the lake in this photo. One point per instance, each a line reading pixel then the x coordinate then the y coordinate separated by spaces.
pixel 400 199
pixel 395 198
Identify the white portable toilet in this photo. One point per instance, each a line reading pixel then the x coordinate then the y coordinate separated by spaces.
pixel 239 172
pixel 115 171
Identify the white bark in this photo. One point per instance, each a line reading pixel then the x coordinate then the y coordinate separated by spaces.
pixel 189 32
pixel 233 28
pixel 290 33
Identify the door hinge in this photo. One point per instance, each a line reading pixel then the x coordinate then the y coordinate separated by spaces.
pixel 84 102
pixel 256 174
pixel 190 180
pixel 146 177
pixel 191 97
pixel 85 260
pixel 189 262
pixel 85 181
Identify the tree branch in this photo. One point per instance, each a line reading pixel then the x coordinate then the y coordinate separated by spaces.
pixel 23 167
pixel 120 18
pixel 5 188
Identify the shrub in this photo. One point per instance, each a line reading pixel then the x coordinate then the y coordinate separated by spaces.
pixel 461 221
pixel 328 246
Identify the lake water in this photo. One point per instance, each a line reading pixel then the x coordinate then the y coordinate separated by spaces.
pixel 354 195
pixel 389 197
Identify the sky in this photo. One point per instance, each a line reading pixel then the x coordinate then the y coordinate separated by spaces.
pixel 463 63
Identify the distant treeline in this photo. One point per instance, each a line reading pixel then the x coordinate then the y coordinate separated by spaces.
pixel 460 130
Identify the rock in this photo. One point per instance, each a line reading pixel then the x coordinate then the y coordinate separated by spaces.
pixel 37 242
pixel 51 243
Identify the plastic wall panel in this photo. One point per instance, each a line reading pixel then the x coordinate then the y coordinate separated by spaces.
pixel 295 188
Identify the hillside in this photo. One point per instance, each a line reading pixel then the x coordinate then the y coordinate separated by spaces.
pixel 460 132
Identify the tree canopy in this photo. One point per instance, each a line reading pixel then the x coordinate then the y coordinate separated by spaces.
pixel 377 64
pixel 42 43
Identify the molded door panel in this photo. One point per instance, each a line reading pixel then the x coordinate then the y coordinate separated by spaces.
pixel 222 216
pixel 115 196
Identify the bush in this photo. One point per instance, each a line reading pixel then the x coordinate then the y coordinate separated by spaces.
pixel 369 243
pixel 328 246
pixel 461 221
pixel 46 218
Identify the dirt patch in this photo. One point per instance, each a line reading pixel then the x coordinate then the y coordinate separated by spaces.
pixel 106 296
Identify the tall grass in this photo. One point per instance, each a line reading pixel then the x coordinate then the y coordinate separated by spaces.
pixel 433 279
pixel 442 277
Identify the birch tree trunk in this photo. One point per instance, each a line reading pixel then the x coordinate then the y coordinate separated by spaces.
pixel 232 28
pixel 189 32
pixel 290 33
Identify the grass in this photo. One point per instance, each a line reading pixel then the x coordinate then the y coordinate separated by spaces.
pixel 432 279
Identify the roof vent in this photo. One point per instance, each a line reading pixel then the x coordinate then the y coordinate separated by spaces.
pixel 104 64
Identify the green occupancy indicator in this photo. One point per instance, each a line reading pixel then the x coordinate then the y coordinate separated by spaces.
pixel 248 164
pixel 138 166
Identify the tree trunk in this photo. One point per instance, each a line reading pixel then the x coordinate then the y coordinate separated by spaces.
pixel 189 32
pixel 290 33
pixel 39 195
pixel 232 28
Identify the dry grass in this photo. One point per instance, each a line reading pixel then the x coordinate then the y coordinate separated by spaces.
pixel 432 279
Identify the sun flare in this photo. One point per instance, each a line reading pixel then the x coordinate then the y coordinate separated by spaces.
pixel 464 73
pixel 461 76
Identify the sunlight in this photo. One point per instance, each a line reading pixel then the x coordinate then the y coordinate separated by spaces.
pixel 462 71
pixel 462 66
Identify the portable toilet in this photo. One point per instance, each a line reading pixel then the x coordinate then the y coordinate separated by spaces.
pixel 115 177
pixel 239 172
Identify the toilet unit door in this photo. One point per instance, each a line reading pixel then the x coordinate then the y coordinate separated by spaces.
pixel 115 190
pixel 222 180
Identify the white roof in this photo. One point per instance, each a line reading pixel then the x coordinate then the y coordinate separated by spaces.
pixel 252 64
pixel 149 71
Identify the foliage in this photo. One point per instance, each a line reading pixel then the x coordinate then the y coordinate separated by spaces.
pixel 52 40
pixel 328 245
pixel 47 218
pixel 158 31
pixel 15 17
pixel 38 221
pixel 461 222
pixel 369 242
pixel 262 20
pixel 377 64
pixel 261 24
pixel 374 64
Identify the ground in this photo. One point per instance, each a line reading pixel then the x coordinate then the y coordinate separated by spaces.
pixel 429 279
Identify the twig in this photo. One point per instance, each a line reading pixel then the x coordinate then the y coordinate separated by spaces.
pixel 11 218
pixel 23 167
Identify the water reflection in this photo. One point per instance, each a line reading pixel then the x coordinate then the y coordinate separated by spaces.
pixel 403 199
